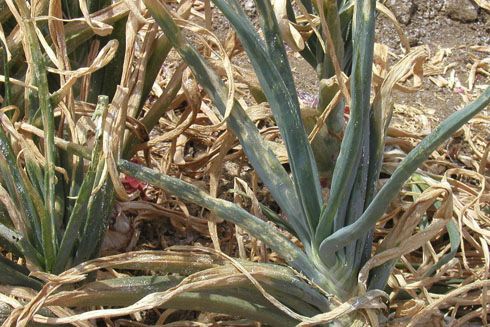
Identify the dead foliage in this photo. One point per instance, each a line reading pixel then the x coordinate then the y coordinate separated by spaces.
pixel 192 142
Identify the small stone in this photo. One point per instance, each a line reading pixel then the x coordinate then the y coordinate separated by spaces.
pixel 462 10
pixel 249 6
pixel 415 37
pixel 403 10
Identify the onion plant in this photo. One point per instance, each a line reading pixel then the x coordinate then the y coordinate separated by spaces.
pixel 53 203
pixel 336 233
pixel 56 193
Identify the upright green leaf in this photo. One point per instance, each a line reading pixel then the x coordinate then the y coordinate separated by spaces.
pixel 406 168
pixel 79 213
pixel 350 151
pixel 14 183
pixel 272 68
pixel 49 236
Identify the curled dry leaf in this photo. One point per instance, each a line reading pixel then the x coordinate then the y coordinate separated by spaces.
pixel 366 301
pixel 99 27
pixel 289 33
pixel 485 4
pixel 118 236
pixel 475 68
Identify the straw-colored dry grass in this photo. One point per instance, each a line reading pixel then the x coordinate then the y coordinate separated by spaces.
pixel 192 143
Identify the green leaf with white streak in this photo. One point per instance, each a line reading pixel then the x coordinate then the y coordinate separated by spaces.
pixel 357 128
pixel 403 172
pixel 272 68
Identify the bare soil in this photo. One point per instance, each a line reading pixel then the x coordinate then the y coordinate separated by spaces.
pixel 429 23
